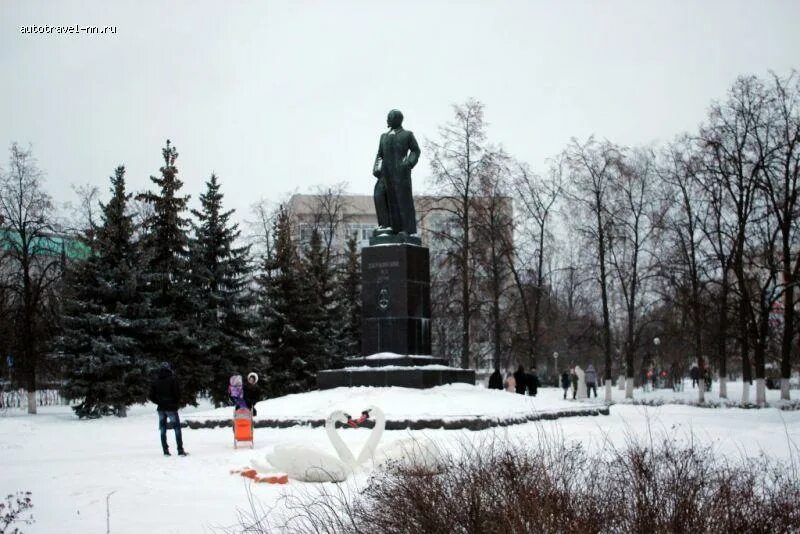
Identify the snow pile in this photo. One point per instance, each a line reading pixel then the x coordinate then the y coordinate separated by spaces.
pixel 447 403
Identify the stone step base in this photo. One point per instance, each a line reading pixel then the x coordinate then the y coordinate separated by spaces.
pixel 404 361
pixel 408 378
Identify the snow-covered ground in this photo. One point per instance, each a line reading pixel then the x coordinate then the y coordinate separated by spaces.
pixel 72 466
pixel 690 395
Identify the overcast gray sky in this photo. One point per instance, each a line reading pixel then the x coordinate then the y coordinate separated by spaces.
pixel 279 96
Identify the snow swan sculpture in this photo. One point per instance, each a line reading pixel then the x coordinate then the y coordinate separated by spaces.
pixel 313 465
pixel 416 452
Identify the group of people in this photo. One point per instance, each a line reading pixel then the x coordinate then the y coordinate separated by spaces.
pixel 244 395
pixel 165 393
pixel 570 378
pixel 700 377
pixel 516 382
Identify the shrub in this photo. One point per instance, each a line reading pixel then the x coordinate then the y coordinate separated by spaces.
pixel 15 509
pixel 554 486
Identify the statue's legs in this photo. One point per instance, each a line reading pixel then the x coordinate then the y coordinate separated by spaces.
pixel 405 204
pixel 392 198
pixel 380 195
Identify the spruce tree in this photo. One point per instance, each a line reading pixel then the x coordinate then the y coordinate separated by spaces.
pixel 106 318
pixel 220 274
pixel 348 295
pixel 286 326
pixel 323 311
pixel 167 276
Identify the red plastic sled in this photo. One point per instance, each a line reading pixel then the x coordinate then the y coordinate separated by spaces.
pixel 242 427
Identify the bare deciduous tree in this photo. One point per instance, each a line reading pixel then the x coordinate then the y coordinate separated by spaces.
pixel 684 245
pixel 781 187
pixel 593 166
pixel 734 156
pixel 457 161
pixel 536 204
pixel 34 260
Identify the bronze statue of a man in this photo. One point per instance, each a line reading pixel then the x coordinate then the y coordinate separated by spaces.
pixel 398 152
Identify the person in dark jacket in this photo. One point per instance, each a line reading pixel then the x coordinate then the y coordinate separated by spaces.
pixel 533 382
pixel 496 379
pixel 694 374
pixel 591 381
pixel 165 394
pixel 252 394
pixel 521 380
pixel 566 381
pixel 574 378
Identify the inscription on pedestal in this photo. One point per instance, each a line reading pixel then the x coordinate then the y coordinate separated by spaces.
pixel 395 300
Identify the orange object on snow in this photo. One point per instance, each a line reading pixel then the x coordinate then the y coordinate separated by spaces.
pixel 242 426
pixel 250 473
pixel 273 479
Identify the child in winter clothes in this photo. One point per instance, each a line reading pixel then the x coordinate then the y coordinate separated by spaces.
pixel 236 392
pixel 251 392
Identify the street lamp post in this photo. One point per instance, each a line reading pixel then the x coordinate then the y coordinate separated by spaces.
pixel 555 366
pixel 657 363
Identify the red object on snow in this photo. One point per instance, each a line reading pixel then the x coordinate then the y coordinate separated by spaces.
pixel 242 427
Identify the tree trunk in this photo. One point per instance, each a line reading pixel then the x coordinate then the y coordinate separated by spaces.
pixel 747 375
pixel 788 335
pixel 524 302
pixel 465 321
pixel 538 297
pixel 32 402
pixel 496 326
pixel 747 371
pixel 761 394
pixel 722 355
pixel 601 245
pixel 701 391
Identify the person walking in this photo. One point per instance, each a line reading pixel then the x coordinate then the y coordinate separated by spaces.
pixel 533 382
pixel 165 394
pixel 574 378
pixel 565 382
pixel 252 393
pixel 496 379
pixel 511 383
pixel 591 381
pixel 706 375
pixel 694 374
pixel 521 380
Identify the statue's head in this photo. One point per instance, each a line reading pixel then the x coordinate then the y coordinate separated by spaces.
pixel 395 119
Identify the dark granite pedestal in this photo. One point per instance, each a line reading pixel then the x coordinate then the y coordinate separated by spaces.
pixel 395 299
pixel 396 316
